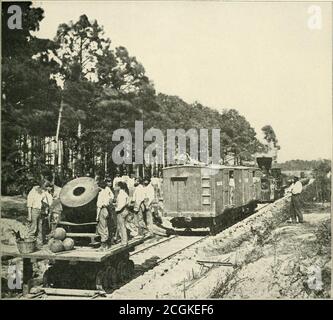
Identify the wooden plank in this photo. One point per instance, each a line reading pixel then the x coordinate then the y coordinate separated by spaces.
pixel 66 223
pixel 73 292
pixel 205 214
pixel 81 235
pixel 86 254
pixel 218 263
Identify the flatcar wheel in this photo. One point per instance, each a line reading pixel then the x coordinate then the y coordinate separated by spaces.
pixel 102 280
pixel 130 268
pixel 213 229
pixel 46 279
pixel 122 271
pixel 111 276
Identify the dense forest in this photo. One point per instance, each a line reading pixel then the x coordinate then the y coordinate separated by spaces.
pixel 63 98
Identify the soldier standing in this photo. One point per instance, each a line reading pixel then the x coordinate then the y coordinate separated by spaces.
pixel 295 204
pixel 138 199
pixel 35 201
pixel 149 199
pixel 112 220
pixel 55 208
pixel 103 201
pixel 122 211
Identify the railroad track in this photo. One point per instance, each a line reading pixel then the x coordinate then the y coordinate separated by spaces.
pixel 163 250
pixel 166 248
pixel 142 248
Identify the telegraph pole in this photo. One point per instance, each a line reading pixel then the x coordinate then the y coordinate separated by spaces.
pixel 57 163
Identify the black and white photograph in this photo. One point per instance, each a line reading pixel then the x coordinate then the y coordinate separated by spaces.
pixel 166 150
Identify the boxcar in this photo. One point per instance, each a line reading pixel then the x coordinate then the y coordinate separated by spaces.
pixel 210 196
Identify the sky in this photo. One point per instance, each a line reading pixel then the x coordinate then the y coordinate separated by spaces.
pixel 260 58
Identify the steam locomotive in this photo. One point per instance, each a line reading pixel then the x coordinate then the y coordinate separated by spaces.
pixel 271 181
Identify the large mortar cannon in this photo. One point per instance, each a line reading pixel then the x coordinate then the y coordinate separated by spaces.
pixel 78 198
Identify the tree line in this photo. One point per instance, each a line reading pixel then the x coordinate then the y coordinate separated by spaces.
pixel 77 89
pixel 305 165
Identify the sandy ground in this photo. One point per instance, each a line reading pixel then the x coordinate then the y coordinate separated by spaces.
pixel 294 262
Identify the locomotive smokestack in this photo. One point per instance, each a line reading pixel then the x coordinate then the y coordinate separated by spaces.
pixel 265 162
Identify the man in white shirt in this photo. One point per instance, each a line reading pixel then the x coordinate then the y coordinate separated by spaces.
pixel 104 199
pixel 156 183
pixel 56 207
pixel 138 199
pixel 122 211
pixel 295 204
pixel 130 184
pixel 116 179
pixel 138 194
pixel 149 198
pixel 36 199
pixel 47 206
pixel 108 188
pixel 112 219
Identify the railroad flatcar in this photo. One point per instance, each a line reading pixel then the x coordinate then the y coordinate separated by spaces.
pixel 84 267
pixel 209 196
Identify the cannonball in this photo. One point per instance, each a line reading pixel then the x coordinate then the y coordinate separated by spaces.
pixel 56 246
pixel 68 243
pixel 50 241
pixel 59 234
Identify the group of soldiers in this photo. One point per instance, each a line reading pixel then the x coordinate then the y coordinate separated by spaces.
pixel 126 207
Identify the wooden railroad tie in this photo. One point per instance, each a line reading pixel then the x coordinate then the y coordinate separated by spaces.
pixel 216 263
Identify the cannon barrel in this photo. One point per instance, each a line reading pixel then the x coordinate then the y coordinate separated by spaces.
pixel 78 198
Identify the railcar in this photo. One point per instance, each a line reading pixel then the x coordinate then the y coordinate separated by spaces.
pixel 209 196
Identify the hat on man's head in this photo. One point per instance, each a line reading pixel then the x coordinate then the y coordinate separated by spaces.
pixel 102 184
pixel 47 184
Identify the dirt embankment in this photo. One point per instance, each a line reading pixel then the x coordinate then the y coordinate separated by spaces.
pixel 184 276
pixel 263 257
pixel 293 261
pixel 286 260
